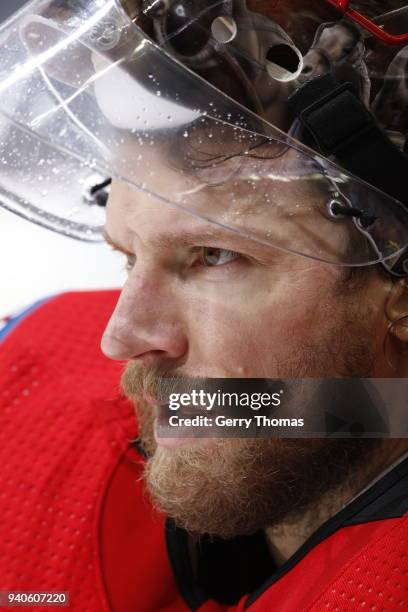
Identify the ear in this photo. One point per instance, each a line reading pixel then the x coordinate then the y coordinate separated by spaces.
pixel 396 310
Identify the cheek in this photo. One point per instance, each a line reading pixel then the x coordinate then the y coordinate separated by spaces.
pixel 248 334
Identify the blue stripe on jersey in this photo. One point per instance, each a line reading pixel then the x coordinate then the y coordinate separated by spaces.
pixel 16 320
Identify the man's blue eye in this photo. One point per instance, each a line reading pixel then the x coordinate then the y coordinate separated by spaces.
pixel 217 257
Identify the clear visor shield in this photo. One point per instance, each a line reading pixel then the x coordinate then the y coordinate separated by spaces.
pixel 86 94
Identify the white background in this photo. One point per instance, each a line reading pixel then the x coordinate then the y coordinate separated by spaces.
pixel 36 263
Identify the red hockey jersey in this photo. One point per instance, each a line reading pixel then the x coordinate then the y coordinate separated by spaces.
pixel 74 516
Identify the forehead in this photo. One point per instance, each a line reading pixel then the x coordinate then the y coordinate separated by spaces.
pixel 217 176
pixel 136 218
pixel 132 213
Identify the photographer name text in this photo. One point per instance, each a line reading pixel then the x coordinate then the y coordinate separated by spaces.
pixel 240 422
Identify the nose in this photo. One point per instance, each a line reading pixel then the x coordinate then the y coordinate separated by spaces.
pixel 145 325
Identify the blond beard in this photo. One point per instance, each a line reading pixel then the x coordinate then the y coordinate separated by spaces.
pixel 226 488
pixel 229 487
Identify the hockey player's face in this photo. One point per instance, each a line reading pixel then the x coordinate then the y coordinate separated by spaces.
pixel 202 301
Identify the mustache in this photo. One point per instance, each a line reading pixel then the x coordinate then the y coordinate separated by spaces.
pixel 155 385
pixel 140 383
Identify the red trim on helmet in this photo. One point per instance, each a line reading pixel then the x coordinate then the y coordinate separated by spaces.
pixel 368 24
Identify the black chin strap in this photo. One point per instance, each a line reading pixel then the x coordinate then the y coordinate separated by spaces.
pixel 340 125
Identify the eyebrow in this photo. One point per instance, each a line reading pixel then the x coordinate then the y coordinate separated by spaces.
pixel 185 239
